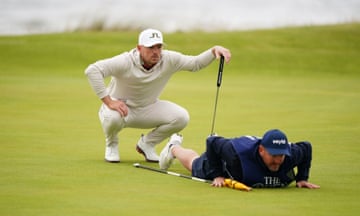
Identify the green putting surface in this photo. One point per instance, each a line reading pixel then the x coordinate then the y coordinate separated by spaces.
pixel 304 81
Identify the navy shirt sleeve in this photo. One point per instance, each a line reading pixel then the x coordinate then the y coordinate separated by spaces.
pixel 214 147
pixel 301 155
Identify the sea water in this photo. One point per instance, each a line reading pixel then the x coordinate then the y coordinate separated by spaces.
pixel 48 16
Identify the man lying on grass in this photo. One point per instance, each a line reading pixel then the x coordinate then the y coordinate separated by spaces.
pixel 257 162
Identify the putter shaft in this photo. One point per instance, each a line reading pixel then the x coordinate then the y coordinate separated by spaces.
pixel 138 165
pixel 218 84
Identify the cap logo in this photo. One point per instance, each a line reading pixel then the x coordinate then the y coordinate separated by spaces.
pixel 155 35
pixel 279 142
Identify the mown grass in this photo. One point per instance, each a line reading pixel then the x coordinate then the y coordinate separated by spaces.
pixel 302 80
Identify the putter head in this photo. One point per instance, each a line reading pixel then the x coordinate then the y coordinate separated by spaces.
pixel 136 165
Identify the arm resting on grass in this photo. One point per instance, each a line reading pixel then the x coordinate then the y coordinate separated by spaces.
pixel 302 156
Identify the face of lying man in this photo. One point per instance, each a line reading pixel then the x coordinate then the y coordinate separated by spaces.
pixel 272 162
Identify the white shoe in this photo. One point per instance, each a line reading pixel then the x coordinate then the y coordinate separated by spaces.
pixel 147 150
pixel 166 157
pixel 112 154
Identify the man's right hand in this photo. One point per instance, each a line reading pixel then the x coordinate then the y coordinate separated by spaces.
pixel 218 181
pixel 116 105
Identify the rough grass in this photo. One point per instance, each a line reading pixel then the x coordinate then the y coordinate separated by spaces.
pixel 302 80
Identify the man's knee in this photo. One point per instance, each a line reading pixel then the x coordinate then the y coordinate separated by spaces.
pixel 181 119
pixel 111 119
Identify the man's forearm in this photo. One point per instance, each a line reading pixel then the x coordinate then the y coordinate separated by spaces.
pixel 96 81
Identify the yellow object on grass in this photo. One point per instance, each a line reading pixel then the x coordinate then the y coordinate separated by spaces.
pixel 236 185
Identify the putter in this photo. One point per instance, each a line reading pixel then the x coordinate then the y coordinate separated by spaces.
pixel 218 84
pixel 230 183
pixel 138 165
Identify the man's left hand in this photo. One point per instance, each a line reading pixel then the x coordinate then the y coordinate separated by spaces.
pixel 305 184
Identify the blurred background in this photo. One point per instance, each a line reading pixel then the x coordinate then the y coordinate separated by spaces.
pixel 51 16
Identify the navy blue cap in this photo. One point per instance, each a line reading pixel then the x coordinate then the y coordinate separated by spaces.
pixel 276 142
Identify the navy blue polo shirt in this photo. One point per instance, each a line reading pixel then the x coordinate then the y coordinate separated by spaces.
pixel 239 158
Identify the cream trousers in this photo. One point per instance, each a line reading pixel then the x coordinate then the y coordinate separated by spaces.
pixel 164 117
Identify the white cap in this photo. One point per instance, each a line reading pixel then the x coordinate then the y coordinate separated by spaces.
pixel 150 37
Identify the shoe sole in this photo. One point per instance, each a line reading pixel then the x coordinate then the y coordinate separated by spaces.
pixel 166 152
pixel 138 149
pixel 109 161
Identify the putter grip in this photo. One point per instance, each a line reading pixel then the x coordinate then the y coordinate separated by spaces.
pixel 221 66
pixel 236 185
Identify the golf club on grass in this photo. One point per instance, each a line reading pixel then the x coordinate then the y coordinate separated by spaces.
pixel 218 84
pixel 230 183
pixel 138 165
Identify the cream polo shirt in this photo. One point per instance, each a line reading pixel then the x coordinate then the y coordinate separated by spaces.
pixel 134 84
